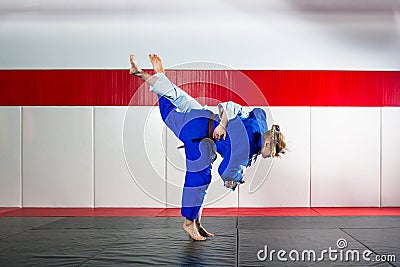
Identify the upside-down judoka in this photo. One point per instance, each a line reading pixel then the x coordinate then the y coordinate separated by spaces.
pixel 238 136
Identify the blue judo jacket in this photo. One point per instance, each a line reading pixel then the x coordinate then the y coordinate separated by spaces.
pixel 241 146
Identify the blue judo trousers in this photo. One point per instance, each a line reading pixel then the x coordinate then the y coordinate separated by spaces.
pixel 239 149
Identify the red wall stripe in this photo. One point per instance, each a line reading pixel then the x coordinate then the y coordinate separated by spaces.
pixel 249 87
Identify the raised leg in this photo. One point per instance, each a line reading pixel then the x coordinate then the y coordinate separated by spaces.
pixel 157 63
pixel 138 72
pixel 164 87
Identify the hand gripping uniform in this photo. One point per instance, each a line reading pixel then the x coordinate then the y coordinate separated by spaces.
pixel 192 124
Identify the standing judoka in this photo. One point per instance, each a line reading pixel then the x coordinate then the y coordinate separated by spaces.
pixel 238 136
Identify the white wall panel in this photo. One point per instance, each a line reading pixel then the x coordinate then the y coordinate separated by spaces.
pixel 10 157
pixel 129 158
pixel 57 157
pixel 345 156
pixel 390 195
pixel 217 195
pixel 288 182
pixel 253 34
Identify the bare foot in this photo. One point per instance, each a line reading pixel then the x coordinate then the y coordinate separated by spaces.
pixel 203 231
pixel 157 64
pixel 190 228
pixel 135 69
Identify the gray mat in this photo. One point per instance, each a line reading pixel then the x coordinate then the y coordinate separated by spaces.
pixel 305 242
pixel 171 247
pixel 10 226
pixel 329 222
pixel 382 241
pixel 132 223
pixel 63 247
pixel 133 241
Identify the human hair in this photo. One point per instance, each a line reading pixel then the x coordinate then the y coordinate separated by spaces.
pixel 277 139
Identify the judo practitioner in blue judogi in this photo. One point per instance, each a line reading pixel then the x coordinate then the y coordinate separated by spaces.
pixel 238 136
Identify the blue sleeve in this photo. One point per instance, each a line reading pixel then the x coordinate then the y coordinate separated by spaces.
pixel 229 170
pixel 261 117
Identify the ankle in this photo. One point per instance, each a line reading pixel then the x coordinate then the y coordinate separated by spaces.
pixel 139 73
pixel 188 222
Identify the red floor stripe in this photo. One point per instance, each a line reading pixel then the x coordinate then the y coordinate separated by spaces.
pixel 216 212
pixel 5 210
pixel 358 211
pixel 83 212
pixel 208 212
pixel 170 212
pixel 128 212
